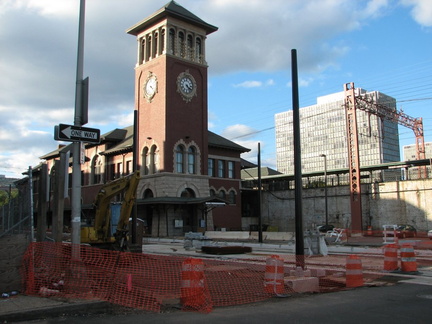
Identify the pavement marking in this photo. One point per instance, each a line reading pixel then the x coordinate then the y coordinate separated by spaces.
pixel 419 281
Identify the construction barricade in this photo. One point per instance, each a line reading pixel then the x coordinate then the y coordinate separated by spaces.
pixel 156 282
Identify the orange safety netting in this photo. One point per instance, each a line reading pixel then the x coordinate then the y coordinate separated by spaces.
pixel 149 281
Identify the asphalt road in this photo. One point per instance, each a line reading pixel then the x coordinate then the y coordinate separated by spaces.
pixel 392 303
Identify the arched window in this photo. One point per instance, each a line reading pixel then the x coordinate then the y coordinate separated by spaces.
pixel 153 160
pixel 222 194
pixel 149 46
pixel 232 197
pixel 182 44
pixel 212 193
pixel 198 50
pixel 190 47
pixel 145 161
pixel 142 51
pixel 171 41
pixel 187 193
pixel 96 170
pixel 148 194
pixel 162 42
pixel 180 159
pixel 191 160
pixel 155 45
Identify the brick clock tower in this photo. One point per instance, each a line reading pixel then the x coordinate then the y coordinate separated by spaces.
pixel 171 104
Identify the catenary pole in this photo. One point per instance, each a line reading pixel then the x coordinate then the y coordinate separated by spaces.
pixel 299 235
pixel 76 147
pixel 260 234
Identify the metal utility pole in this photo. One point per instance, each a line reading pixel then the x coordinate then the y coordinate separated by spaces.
pixel 297 164
pixel 78 120
pixel 260 234
pixel 353 158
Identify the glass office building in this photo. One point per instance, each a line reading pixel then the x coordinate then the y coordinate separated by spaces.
pixel 323 132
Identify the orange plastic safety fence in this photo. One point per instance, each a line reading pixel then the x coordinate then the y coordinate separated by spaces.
pixel 150 282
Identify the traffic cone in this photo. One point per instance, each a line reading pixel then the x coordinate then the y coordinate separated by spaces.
pixel 408 259
pixel 274 275
pixel 192 286
pixel 354 272
pixel 391 257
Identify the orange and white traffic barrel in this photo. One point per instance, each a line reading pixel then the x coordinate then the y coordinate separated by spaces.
pixel 354 271
pixel 369 231
pixel 274 275
pixel 192 285
pixel 408 259
pixel 391 257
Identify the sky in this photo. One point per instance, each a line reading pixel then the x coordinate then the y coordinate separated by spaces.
pixel 380 45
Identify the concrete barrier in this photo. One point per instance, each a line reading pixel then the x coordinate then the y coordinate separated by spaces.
pixel 246 235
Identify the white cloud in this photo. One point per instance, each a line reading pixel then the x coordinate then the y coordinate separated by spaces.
pixel 421 11
pixel 248 84
pixel 270 82
pixel 237 131
pixel 254 84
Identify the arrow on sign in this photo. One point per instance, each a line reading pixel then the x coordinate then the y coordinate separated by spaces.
pixel 70 133
pixel 76 133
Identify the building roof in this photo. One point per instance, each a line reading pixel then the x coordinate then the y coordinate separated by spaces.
pixel 252 173
pixel 171 9
pixel 124 139
pixel 121 141
pixel 218 141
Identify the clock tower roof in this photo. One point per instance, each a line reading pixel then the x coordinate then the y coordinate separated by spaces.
pixel 171 9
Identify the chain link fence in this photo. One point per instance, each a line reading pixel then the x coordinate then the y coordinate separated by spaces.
pixel 15 214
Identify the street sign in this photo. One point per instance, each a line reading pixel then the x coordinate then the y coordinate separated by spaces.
pixel 72 133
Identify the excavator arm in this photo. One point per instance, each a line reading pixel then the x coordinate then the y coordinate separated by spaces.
pixel 100 234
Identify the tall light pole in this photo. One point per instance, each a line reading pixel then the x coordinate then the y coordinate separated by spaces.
pixel 76 148
pixel 325 187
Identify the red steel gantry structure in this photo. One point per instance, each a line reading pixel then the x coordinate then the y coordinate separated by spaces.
pixel 371 106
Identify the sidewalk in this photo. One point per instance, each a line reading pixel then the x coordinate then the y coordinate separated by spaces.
pixel 24 308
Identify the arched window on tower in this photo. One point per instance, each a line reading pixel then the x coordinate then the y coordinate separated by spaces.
pixel 180 159
pixel 153 160
pixel 191 160
pixel 142 51
pixel 182 44
pixel 190 53
pixel 171 41
pixel 149 45
pixel 198 50
pixel 145 161
pixel 162 42
pixel 155 45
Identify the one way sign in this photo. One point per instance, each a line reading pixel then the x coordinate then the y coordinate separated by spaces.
pixel 71 133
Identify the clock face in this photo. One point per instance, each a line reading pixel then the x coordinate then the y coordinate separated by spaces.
pixel 150 87
pixel 186 86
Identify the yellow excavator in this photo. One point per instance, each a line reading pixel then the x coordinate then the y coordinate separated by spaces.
pixel 101 233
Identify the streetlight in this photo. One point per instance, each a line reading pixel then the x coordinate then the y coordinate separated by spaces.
pixel 325 187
